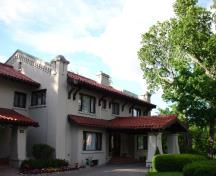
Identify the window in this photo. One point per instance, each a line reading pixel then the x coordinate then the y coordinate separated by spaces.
pixel 19 100
pixel 136 112
pixel 103 104
pixel 38 97
pixel 142 142
pixel 87 103
pixel 115 108
pixel 92 141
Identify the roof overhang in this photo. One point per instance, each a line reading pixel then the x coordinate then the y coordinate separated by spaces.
pixel 11 117
pixel 132 124
pixel 78 80
pixel 7 72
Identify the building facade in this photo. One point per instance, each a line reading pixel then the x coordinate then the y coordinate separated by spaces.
pixel 86 121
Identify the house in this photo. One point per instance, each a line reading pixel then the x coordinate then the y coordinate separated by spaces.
pixel 84 120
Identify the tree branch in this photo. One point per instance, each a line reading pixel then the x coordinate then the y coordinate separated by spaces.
pixel 198 61
pixel 165 79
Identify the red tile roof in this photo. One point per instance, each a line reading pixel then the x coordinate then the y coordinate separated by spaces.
pixel 86 121
pixel 144 122
pixel 92 83
pixel 9 116
pixel 7 71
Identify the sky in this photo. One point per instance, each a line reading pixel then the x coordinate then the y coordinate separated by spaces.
pixel 94 35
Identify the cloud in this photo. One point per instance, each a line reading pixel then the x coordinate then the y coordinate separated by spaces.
pixel 2 59
pixel 110 30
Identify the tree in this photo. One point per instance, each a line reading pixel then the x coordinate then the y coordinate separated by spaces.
pixel 179 56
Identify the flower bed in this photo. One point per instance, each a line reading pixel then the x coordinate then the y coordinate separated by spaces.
pixel 48 170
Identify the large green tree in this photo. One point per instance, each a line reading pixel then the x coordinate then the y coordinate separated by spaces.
pixel 179 56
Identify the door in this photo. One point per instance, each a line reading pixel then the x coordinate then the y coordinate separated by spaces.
pixel 115 144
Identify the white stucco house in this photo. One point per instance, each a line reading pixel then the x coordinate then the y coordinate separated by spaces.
pixel 84 120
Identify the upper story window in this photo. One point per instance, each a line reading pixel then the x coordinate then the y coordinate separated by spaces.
pixel 115 108
pixel 38 97
pixel 103 104
pixel 92 141
pixel 136 112
pixel 19 100
pixel 142 142
pixel 87 103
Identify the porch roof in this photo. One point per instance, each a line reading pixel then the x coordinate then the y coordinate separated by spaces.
pixel 162 122
pixel 8 72
pixel 9 116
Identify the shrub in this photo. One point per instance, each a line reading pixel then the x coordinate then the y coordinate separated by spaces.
pixel 40 164
pixel 42 151
pixel 200 168
pixel 173 162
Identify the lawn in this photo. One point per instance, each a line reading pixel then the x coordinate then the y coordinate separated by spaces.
pixel 165 174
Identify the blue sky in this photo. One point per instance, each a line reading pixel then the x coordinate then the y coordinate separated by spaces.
pixel 94 35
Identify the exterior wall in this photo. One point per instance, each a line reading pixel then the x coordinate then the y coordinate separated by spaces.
pixel 18 146
pixel 46 114
pixel 13 144
pixel 75 153
pixel 7 89
pixel 54 128
pixel 73 107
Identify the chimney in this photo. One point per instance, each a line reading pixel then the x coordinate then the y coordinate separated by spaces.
pixel 147 97
pixel 104 79
pixel 59 65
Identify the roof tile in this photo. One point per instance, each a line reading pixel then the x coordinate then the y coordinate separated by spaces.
pixel 144 122
pixel 94 84
pixel 7 71
pixel 10 116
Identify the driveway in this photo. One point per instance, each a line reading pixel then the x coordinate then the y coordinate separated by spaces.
pixel 107 170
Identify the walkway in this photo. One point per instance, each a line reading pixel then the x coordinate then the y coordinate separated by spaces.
pixel 107 170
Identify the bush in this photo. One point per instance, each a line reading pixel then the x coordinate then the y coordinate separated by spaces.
pixel 173 162
pixel 200 168
pixel 42 151
pixel 40 164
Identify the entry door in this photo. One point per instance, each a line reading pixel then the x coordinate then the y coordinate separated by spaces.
pixel 116 144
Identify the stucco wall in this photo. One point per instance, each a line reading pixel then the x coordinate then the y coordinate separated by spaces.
pixel 73 106
pixel 45 114
pixel 54 127
pixel 75 151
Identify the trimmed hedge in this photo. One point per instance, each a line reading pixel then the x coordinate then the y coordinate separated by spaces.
pixel 200 168
pixel 42 151
pixel 41 164
pixel 173 162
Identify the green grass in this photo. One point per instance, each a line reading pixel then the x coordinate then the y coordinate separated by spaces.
pixel 165 174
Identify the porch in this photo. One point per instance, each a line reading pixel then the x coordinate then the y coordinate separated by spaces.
pixel 13 131
pixel 127 147
pixel 137 138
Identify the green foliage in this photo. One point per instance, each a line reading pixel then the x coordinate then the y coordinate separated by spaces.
pixel 199 138
pixel 200 168
pixel 173 162
pixel 42 151
pixel 165 174
pixel 179 56
pixel 42 163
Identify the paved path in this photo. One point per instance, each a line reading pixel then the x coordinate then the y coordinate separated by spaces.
pixel 107 170
pixel 7 171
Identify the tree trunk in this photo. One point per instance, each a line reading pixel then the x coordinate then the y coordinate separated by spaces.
pixel 211 137
pixel 188 137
